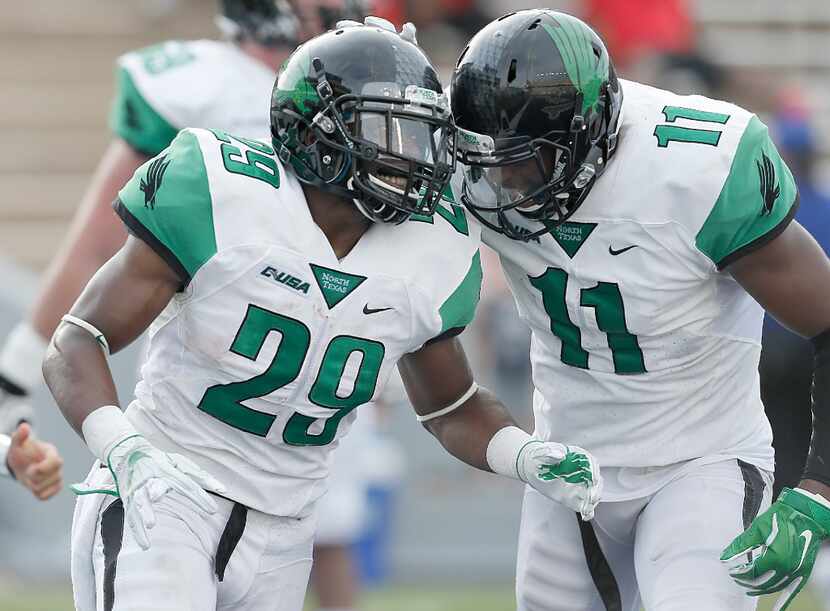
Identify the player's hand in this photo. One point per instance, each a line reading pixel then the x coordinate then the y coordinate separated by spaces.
pixel 778 550
pixel 566 474
pixel 15 406
pixel 143 474
pixel 35 464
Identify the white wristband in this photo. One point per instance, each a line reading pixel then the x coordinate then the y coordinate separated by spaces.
pixel 22 356
pixel 5 443
pixel 504 449
pixel 104 428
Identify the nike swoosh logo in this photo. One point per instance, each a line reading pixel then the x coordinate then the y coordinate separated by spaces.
pixel 620 251
pixel 808 537
pixel 368 310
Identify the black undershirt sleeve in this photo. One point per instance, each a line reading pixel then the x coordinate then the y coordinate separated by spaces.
pixel 818 459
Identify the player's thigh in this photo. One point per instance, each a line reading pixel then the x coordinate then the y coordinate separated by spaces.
pixel 271 563
pixel 176 573
pixel 685 527
pixel 565 564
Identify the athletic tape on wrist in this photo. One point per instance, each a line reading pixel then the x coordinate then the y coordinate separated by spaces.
pixel 504 448
pixel 104 428
pixel 450 408
pixel 89 328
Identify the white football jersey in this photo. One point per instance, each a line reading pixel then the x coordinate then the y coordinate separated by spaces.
pixel 644 352
pixel 255 368
pixel 199 83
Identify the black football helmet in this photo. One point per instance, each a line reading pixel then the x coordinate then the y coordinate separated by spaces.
pixel 537 104
pixel 360 112
pixel 285 22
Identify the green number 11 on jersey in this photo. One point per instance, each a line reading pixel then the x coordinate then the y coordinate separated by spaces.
pixel 677 133
pixel 607 302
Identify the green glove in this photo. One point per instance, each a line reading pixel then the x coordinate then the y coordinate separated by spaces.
pixel 778 550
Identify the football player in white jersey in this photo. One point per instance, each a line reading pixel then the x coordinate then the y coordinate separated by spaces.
pixel 282 282
pixel 159 90
pixel 642 234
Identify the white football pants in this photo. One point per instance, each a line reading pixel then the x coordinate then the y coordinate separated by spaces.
pixel 661 551
pixel 237 558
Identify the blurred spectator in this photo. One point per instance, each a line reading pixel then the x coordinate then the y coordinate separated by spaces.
pixel 655 42
pixel 786 361
pixel 636 28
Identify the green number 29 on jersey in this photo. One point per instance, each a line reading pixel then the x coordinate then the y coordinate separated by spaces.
pixel 225 401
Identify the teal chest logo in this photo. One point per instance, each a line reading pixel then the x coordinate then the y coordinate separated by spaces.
pixel 298 284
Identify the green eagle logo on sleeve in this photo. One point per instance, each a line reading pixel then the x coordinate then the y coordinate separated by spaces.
pixel 151 183
pixel 769 190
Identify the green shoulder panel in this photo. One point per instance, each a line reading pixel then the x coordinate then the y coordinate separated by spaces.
pixel 133 118
pixel 459 308
pixel 756 202
pixel 167 203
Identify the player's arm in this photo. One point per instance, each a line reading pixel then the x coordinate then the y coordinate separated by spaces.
pixel 120 301
pixel 171 239
pixel 118 304
pixel 790 278
pixel 476 428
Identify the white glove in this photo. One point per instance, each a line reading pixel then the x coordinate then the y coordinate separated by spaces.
pixel 408 31
pixel 565 474
pixel 143 474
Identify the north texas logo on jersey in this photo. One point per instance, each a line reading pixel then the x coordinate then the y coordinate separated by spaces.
pixel 298 284
pixel 769 190
pixel 151 183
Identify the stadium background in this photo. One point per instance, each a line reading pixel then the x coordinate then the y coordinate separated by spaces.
pixel 454 530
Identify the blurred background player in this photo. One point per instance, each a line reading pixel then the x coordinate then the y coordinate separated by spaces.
pixel 161 89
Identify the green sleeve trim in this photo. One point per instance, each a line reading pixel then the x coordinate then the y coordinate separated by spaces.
pixel 167 203
pixel 756 202
pixel 134 120
pixel 460 307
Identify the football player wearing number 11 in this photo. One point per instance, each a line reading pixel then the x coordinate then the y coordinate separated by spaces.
pixel 639 231
pixel 281 281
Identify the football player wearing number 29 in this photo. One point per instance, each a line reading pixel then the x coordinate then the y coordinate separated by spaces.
pixel 642 234
pixel 282 281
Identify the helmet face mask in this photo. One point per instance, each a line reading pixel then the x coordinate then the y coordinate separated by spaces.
pixel 388 144
pixel 537 105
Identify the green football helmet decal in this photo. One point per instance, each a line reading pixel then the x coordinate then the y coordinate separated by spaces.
pixel 537 103
pixel 360 112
